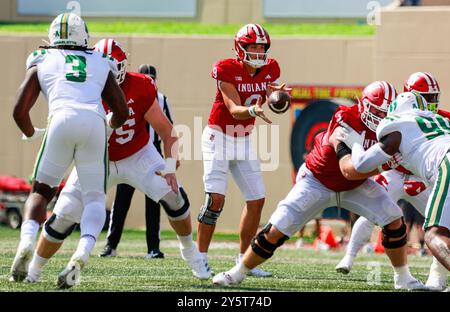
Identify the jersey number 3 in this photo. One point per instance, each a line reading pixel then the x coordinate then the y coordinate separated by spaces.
pixel 78 71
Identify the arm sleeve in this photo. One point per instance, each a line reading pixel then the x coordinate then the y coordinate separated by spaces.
pixel 367 161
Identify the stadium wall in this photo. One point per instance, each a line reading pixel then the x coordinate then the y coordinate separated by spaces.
pixel 184 65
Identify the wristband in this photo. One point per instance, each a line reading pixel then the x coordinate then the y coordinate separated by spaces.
pixel 252 110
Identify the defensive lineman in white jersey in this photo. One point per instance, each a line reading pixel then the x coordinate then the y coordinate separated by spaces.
pixel 423 139
pixel 74 79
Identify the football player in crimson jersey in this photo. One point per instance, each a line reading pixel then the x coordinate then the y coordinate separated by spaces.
pixel 243 83
pixel 402 184
pixel 132 161
pixel 326 179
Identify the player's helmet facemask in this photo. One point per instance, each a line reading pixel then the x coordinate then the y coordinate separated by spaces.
pixel 252 34
pixel 375 101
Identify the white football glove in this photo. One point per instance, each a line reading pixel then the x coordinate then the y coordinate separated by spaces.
pixel 37 134
pixel 349 136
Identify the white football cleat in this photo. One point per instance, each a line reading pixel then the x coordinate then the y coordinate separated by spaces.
pixel 31 280
pixel 70 276
pixel 258 272
pixel 228 278
pixel 409 284
pixel 437 279
pixel 345 265
pixel 199 265
pixel 19 268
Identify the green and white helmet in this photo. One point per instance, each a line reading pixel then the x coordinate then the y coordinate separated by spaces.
pixel 68 29
pixel 407 101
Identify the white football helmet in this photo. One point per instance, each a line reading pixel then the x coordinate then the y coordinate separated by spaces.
pixel 68 29
pixel 406 102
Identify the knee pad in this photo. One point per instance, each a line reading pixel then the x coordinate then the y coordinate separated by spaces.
pixel 206 215
pixel 45 190
pixel 56 229
pixel 176 205
pixel 397 233
pixel 262 247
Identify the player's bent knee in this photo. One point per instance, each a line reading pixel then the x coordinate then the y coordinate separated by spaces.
pixel 57 228
pixel 210 210
pixel 262 247
pixel 175 205
pixel 394 238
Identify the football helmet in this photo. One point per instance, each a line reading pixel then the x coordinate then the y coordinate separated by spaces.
pixel 256 34
pixel 427 86
pixel 406 102
pixel 68 29
pixel 113 48
pixel 375 101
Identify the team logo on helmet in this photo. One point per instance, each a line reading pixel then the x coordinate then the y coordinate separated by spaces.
pixel 68 29
pixel 406 102
pixel 425 84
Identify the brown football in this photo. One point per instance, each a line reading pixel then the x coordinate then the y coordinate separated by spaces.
pixel 279 101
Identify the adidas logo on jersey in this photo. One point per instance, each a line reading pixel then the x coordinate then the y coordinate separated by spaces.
pixel 130 101
pixel 268 77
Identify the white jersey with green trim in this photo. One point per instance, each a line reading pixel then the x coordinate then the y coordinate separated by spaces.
pixel 72 79
pixel 425 140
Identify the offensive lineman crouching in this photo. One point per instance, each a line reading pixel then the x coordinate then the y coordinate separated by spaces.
pixel 328 179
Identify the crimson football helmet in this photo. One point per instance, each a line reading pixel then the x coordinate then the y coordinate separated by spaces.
pixel 427 86
pixel 375 101
pixel 112 48
pixel 251 33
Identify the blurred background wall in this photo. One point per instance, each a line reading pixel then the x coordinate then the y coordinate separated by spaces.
pixel 407 40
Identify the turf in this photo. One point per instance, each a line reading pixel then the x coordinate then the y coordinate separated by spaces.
pixel 293 269
pixel 190 28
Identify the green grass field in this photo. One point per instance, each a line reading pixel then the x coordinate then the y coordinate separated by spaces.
pixel 187 28
pixel 294 270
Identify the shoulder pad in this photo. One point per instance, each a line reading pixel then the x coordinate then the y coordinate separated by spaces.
pixel 223 70
pixel 35 58
pixel 387 126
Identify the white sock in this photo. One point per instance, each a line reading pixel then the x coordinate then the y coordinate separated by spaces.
pixel 403 272
pixel 437 268
pixel 241 268
pixel 186 241
pixel 36 266
pixel 361 233
pixel 28 232
pixel 85 246
pixel 204 256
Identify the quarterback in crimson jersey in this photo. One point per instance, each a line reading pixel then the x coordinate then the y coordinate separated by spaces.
pixel 402 184
pixel 242 86
pixel 132 161
pixel 328 179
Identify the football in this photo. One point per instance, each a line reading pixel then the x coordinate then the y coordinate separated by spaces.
pixel 279 101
